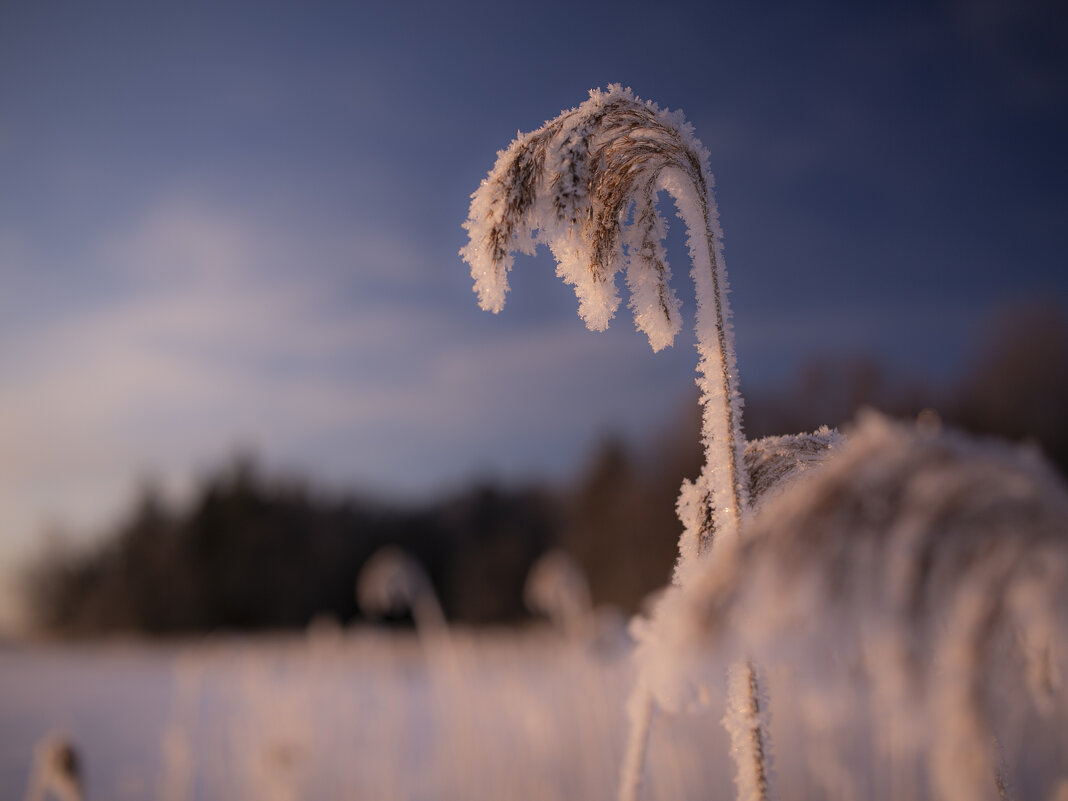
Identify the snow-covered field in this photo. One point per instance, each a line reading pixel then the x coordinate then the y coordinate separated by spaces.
pixel 371 715
pixel 343 715
pixel 366 715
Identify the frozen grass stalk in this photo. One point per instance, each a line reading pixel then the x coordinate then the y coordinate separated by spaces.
pixel 392 581
pixel 586 184
pixel 556 587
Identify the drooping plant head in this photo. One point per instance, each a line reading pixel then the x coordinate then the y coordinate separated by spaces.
pixel 392 581
pixel 556 587
pixel 586 185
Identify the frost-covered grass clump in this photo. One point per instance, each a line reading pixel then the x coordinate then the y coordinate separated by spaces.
pixel 932 565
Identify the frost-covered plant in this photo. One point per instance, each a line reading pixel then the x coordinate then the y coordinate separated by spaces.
pixel 586 184
pixel 931 560
pixel 393 582
pixel 556 587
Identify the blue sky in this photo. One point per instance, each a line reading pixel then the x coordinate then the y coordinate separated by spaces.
pixel 238 226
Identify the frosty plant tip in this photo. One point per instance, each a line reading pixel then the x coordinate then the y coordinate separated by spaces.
pixel 586 185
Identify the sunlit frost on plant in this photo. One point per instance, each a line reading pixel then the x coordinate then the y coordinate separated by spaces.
pixel 931 560
pixel 586 184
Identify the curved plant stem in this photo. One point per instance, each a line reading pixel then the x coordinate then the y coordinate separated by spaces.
pixel 746 722
pixel 585 184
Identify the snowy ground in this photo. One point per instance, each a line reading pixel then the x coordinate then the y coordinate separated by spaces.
pixel 369 715
pixel 354 715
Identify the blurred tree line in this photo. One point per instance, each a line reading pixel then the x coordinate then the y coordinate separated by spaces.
pixel 254 551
